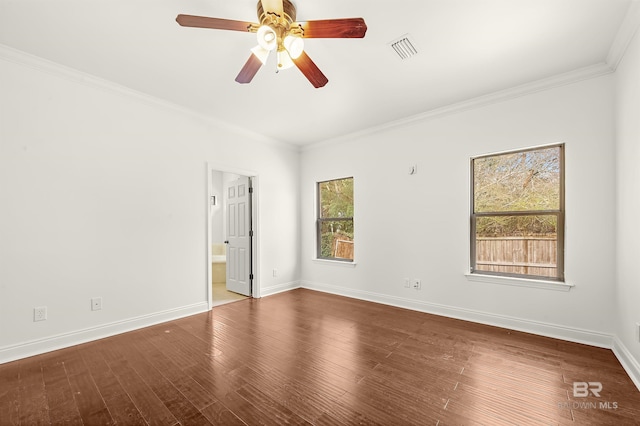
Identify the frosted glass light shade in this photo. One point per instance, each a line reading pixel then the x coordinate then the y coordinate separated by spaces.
pixel 267 37
pixel 284 60
pixel 261 53
pixel 294 45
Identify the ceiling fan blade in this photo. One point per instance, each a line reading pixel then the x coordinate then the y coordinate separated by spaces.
pixel 249 70
pixel 333 28
pixel 214 23
pixel 310 70
pixel 274 6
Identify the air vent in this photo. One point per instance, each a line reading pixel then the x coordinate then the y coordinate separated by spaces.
pixel 404 47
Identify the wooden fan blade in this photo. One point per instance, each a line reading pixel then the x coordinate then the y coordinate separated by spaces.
pixel 274 6
pixel 310 70
pixel 214 23
pixel 249 70
pixel 333 28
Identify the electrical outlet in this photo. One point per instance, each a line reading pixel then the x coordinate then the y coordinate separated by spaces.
pixel 638 331
pixel 96 303
pixel 275 272
pixel 416 283
pixel 40 313
pixel 407 283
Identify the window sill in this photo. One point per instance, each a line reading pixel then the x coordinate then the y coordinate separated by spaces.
pixel 335 262
pixel 519 282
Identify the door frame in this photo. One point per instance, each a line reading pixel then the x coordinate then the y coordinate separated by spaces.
pixel 255 218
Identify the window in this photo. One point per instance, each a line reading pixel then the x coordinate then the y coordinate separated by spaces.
pixel 335 219
pixel 517 214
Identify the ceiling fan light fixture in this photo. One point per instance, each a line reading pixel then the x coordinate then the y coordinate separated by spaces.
pixel 260 53
pixel 284 60
pixel 294 45
pixel 267 37
pixel 277 29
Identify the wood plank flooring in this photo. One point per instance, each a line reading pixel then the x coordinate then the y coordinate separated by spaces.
pixel 304 357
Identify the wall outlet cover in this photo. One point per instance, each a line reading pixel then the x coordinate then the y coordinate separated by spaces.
pixel 40 313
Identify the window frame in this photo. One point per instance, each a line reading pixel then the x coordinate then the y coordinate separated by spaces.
pixel 559 214
pixel 321 220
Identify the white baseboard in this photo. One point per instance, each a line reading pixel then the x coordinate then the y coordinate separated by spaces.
pixel 629 363
pixel 279 288
pixel 65 340
pixel 571 334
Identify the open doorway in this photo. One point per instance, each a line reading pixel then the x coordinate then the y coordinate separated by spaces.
pixel 231 231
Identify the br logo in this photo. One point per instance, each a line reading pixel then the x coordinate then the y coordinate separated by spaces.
pixel 583 389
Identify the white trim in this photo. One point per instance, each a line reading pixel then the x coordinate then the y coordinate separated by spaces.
pixel 625 34
pixel 593 338
pixel 520 282
pixel 279 288
pixel 209 285
pixel 65 340
pixel 559 80
pixel 256 290
pixel 234 170
pixel 335 262
pixel 629 363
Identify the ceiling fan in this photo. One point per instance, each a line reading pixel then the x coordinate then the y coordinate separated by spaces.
pixel 278 30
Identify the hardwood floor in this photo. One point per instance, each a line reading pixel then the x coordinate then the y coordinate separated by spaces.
pixel 304 357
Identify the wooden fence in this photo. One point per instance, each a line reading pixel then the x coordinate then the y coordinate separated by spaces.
pixel 342 247
pixel 517 255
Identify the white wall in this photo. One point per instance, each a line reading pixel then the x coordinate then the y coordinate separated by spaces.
pixel 103 193
pixel 418 226
pixel 628 203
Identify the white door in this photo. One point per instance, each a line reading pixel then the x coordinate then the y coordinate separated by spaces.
pixel 239 235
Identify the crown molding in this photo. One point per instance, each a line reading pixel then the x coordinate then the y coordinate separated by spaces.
pixel 559 80
pixel 37 63
pixel 626 32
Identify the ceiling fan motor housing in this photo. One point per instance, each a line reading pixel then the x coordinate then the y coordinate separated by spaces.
pixel 281 24
pixel 288 8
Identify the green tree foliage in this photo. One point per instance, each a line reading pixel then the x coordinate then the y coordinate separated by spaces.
pixel 336 198
pixel 336 213
pixel 526 181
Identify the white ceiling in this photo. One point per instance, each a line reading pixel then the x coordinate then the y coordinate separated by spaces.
pixel 467 48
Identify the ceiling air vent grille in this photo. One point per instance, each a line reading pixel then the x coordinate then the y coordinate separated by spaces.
pixel 404 47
